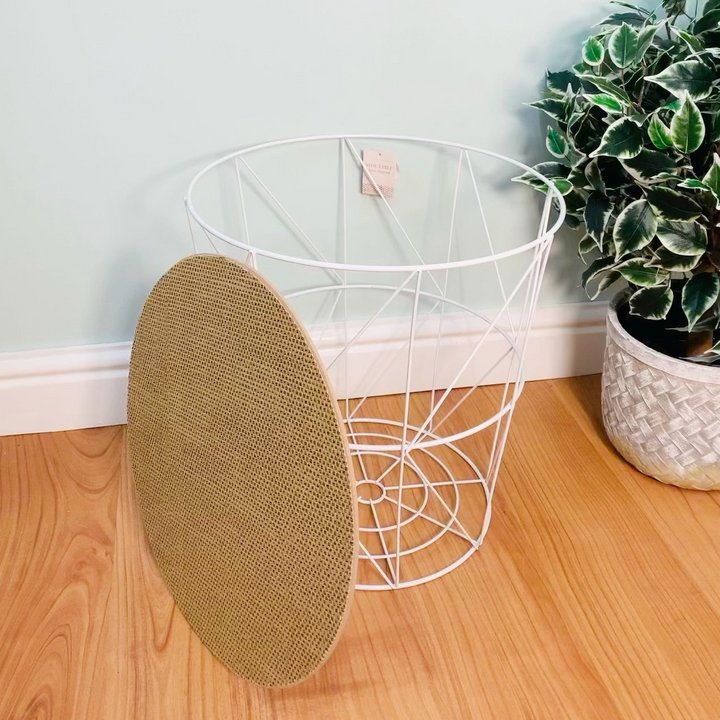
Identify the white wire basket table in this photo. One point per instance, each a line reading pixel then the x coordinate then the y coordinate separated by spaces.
pixel 440 324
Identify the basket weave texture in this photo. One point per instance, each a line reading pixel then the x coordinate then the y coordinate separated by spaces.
pixel 661 414
pixel 242 470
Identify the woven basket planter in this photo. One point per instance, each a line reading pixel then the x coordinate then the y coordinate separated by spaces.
pixel 661 414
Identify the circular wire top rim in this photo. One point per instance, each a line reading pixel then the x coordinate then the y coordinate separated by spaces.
pixel 411 268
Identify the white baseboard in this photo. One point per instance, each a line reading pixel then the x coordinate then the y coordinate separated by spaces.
pixel 79 387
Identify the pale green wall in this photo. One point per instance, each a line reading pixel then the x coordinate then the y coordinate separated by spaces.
pixel 109 108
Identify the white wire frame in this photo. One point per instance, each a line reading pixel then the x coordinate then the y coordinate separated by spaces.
pixel 396 441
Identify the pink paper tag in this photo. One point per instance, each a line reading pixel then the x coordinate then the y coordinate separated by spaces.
pixel 382 167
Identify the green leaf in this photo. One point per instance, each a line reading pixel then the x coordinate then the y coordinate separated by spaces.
pixel 623 139
pixel 623 45
pixel 635 228
pixel 713 52
pixel 605 282
pixel 683 238
pixel 586 245
pixel 607 86
pixel 694 43
pixel 576 121
pixel 645 40
pixel 637 8
pixel 558 82
pixel 577 175
pixel 593 52
pixel 556 143
pixel 614 174
pixel 607 102
pixel 692 184
pixel 573 222
pixel 648 164
pixel 575 203
pixel 711 5
pixel 708 323
pixel 595 268
pixel 550 106
pixel 672 205
pixel 659 133
pixel 667 260
pixel 563 186
pixel 665 177
pixel 620 18
pixel 715 137
pixel 593 176
pixel 551 170
pixel 674 7
pixel 597 215
pixel 699 295
pixel 709 21
pixel 638 273
pixel 653 303
pixel 673 105
pixel 532 181
pixel 688 76
pixel 638 118
pixel 712 179
pixel 687 128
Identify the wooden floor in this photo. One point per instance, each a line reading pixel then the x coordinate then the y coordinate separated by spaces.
pixel 595 595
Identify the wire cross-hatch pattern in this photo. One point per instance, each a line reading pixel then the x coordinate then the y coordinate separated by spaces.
pixel 445 317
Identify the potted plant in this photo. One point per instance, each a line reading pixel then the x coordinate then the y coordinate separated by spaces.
pixel 635 141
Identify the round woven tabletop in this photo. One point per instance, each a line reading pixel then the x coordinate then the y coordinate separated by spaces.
pixel 242 470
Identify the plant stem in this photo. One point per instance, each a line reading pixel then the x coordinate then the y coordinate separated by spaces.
pixel 641 94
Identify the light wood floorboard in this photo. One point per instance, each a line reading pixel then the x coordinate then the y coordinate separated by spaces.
pixel 595 595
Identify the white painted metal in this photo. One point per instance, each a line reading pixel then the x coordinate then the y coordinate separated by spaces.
pixel 410 500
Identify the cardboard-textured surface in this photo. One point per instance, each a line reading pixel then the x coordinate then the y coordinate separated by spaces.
pixel 242 470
